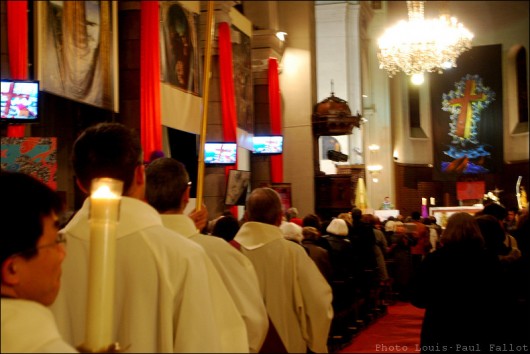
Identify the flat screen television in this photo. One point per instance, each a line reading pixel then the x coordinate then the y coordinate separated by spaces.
pixel 20 101
pixel 267 145
pixel 220 154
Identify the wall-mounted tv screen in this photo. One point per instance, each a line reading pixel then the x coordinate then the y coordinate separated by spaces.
pixel 271 144
pixel 220 153
pixel 20 101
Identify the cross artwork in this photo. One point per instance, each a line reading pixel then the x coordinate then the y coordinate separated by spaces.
pixel 10 95
pixel 223 154
pixel 463 124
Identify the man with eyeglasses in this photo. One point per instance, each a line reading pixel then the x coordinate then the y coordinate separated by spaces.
pixel 168 191
pixel 169 297
pixel 32 252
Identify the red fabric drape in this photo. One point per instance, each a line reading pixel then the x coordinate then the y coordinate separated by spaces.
pixel 228 104
pixel 275 114
pixel 17 46
pixel 150 115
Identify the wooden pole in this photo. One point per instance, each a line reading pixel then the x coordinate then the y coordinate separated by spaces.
pixel 205 98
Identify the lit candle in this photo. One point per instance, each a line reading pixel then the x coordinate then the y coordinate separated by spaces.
pixel 423 201
pixel 104 212
pixel 433 201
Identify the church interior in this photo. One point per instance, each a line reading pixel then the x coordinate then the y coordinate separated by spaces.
pixel 387 132
pixel 353 131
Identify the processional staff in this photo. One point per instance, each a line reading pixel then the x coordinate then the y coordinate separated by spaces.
pixel 205 99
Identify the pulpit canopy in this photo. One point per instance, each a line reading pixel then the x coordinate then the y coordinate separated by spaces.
pixel 332 116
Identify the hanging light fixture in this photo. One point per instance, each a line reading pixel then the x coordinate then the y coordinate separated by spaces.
pixel 418 45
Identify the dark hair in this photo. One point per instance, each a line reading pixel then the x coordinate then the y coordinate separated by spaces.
pixel 107 150
pixel 496 210
pixel 312 220
pixel 226 227
pixel 462 233
pixel 264 205
pixel 167 180
pixel 493 234
pixel 356 215
pixel 27 200
pixel 415 215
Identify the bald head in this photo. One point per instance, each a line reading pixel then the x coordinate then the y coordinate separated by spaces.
pixel 264 205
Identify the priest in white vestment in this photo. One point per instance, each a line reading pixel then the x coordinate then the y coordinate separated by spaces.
pixel 32 252
pixel 168 295
pixel 168 191
pixel 297 297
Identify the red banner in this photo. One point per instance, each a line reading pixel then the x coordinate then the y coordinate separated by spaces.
pixel 17 43
pixel 275 113
pixel 150 116
pixel 470 190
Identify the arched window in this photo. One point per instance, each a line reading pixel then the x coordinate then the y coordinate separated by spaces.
pixel 416 130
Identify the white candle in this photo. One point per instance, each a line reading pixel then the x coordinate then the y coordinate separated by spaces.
pixel 433 201
pixel 423 201
pixel 104 212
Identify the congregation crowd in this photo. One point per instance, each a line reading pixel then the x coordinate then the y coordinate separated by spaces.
pixel 271 282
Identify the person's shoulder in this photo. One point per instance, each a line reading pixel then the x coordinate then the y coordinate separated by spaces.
pixel 295 249
pixel 21 310
pixel 170 241
pixel 217 245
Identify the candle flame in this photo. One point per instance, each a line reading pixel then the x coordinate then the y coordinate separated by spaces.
pixel 104 192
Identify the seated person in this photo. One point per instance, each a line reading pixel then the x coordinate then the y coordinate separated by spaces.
pixel 32 254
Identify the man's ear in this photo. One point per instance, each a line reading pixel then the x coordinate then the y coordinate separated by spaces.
pixel 139 175
pixel 185 198
pixel 10 275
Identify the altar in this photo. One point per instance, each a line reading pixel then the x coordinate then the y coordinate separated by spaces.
pixel 385 214
pixel 443 213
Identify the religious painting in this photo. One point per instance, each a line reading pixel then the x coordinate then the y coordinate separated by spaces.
pixel 179 52
pixel 284 190
pixel 243 87
pixel 34 156
pixel 78 51
pixel 237 187
pixel 467 115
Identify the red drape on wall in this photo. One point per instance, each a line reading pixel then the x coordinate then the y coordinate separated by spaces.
pixel 150 114
pixel 228 104
pixel 275 114
pixel 17 46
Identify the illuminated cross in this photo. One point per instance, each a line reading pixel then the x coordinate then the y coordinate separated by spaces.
pixel 463 124
pixel 10 95
pixel 220 152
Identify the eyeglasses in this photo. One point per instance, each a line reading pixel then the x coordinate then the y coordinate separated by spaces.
pixel 61 238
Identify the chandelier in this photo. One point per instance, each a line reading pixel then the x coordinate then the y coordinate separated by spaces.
pixel 419 45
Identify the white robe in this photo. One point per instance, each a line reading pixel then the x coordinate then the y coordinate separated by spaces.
pixel 297 297
pixel 29 327
pixel 237 272
pixel 169 297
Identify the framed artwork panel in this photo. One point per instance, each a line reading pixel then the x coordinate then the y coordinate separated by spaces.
pixel 237 187
pixel 77 51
